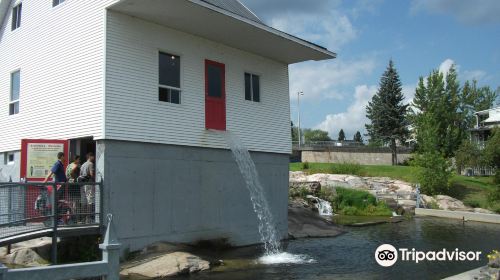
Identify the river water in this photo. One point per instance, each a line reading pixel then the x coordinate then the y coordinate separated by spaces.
pixel 351 255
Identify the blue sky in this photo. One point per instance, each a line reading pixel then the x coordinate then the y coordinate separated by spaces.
pixel 419 35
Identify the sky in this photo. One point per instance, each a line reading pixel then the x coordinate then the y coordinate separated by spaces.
pixel 419 35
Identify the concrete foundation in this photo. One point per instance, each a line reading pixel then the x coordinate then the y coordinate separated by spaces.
pixel 9 171
pixel 185 194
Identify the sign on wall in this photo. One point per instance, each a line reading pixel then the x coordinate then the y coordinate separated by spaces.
pixel 38 156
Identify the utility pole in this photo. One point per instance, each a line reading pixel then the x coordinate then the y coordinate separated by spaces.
pixel 298 110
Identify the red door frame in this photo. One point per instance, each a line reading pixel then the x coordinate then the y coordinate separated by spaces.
pixel 220 103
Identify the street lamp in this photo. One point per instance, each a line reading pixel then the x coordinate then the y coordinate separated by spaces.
pixel 298 110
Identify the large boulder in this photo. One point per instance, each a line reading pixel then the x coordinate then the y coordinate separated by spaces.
pixel 24 257
pixel 313 188
pixel 170 264
pixel 449 203
pixel 304 223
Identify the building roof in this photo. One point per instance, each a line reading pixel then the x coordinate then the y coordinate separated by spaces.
pixel 235 7
pixel 4 5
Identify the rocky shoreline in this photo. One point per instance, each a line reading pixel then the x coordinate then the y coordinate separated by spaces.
pixel 396 193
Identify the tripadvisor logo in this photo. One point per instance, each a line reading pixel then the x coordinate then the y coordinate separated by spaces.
pixel 387 255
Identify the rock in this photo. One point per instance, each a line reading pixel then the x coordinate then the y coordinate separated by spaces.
pixel 311 187
pixel 170 264
pixel 356 182
pixel 483 211
pixel 24 257
pixel 304 223
pixel 449 203
pixel 297 176
pixel 428 201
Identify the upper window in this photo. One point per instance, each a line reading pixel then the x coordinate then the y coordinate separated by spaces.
pixel 15 86
pixel 56 2
pixel 16 16
pixel 252 87
pixel 170 78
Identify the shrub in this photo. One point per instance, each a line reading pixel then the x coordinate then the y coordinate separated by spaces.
pixel 358 203
pixel 434 173
pixel 346 168
pixel 474 203
pixel 301 192
pixel 305 165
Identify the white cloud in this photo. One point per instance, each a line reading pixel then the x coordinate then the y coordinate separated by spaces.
pixel 324 80
pixel 445 66
pixel 354 119
pixel 466 11
pixel 470 75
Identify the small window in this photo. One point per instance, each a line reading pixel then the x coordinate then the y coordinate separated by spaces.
pixel 9 158
pixel 16 16
pixel 56 2
pixel 15 86
pixel 252 87
pixel 169 78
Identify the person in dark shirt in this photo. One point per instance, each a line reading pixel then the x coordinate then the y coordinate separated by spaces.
pixel 57 170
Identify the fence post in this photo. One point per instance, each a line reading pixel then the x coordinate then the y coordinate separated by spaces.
pixel 54 225
pixel 3 272
pixel 111 251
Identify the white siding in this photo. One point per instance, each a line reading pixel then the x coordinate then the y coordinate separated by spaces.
pixel 60 52
pixel 134 113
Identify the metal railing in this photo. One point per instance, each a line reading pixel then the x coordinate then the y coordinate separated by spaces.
pixel 347 146
pixel 31 210
pixel 108 267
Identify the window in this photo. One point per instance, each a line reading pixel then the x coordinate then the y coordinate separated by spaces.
pixel 16 16
pixel 15 86
pixel 56 2
pixel 9 158
pixel 170 78
pixel 252 87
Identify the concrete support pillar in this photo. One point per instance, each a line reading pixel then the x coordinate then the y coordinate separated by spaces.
pixel 111 251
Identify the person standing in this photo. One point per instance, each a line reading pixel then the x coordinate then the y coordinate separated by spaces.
pixel 57 170
pixel 73 170
pixel 87 174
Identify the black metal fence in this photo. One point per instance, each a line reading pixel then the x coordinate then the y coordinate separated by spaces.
pixel 36 207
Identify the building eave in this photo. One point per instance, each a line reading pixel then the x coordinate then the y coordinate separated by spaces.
pixel 200 18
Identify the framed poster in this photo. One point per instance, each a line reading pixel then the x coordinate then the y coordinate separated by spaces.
pixel 38 156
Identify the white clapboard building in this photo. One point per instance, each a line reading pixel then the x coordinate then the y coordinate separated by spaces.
pixel 146 84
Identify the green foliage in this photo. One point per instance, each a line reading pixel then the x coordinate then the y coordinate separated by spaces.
pixel 295 132
pixel 387 112
pixel 357 137
pixel 314 135
pixel 304 165
pixel 341 135
pixel 301 192
pixel 358 203
pixel 346 168
pixel 434 172
pixel 327 194
pixel 468 155
pixel 492 149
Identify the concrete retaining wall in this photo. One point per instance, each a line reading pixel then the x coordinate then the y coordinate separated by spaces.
pixel 182 194
pixel 364 158
pixel 470 216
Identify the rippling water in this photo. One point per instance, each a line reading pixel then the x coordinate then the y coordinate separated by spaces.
pixel 351 255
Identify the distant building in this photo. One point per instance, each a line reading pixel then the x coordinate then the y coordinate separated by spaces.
pixel 485 122
pixel 144 84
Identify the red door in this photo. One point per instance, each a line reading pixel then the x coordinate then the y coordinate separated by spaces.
pixel 215 95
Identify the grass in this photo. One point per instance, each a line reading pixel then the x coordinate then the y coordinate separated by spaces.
pixel 473 191
pixel 353 202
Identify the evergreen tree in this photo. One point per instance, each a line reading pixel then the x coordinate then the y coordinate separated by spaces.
pixel 341 135
pixel 357 137
pixel 387 112
pixel 295 133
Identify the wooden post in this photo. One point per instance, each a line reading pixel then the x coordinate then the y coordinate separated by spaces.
pixel 111 251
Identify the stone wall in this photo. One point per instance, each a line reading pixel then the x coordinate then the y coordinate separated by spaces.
pixel 350 156
pixel 182 194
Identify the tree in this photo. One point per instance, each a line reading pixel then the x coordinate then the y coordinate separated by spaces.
pixel 316 135
pixel 468 155
pixel 341 135
pixel 387 112
pixel 357 137
pixel 295 133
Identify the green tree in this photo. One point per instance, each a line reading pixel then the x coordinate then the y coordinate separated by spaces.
pixel 295 132
pixel 357 137
pixel 387 112
pixel 315 135
pixel 468 155
pixel 341 135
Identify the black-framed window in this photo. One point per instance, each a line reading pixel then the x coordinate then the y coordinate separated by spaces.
pixel 252 87
pixel 57 2
pixel 9 158
pixel 16 16
pixel 15 91
pixel 169 78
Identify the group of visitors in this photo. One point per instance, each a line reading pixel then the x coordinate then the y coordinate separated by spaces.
pixel 81 195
